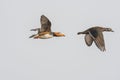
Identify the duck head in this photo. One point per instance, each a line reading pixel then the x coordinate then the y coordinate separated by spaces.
pixel 58 34
pixel 108 29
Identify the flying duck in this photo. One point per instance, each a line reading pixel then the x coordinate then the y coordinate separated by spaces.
pixel 95 34
pixel 45 31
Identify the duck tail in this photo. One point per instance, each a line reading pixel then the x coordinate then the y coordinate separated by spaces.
pixel 32 36
pixel 79 33
pixel 37 29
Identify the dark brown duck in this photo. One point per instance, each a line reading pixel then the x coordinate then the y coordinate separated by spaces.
pixel 95 34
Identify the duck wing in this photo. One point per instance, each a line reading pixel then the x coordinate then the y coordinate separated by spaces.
pixel 88 39
pixel 43 33
pixel 98 39
pixel 45 24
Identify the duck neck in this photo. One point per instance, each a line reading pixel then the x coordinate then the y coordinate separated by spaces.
pixel 106 29
pixel 53 33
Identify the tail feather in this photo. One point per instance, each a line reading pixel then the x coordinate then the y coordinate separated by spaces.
pixel 79 33
pixel 37 29
pixel 32 36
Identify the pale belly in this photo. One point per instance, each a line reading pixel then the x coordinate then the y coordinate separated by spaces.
pixel 46 36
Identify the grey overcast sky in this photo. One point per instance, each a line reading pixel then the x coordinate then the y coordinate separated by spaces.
pixel 65 58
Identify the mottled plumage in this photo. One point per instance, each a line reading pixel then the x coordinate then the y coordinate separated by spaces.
pixel 45 31
pixel 45 24
pixel 95 34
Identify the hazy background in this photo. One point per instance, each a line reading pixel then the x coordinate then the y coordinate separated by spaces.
pixel 65 58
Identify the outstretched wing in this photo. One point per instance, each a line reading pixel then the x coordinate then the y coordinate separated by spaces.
pixel 45 24
pixel 88 39
pixel 98 39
